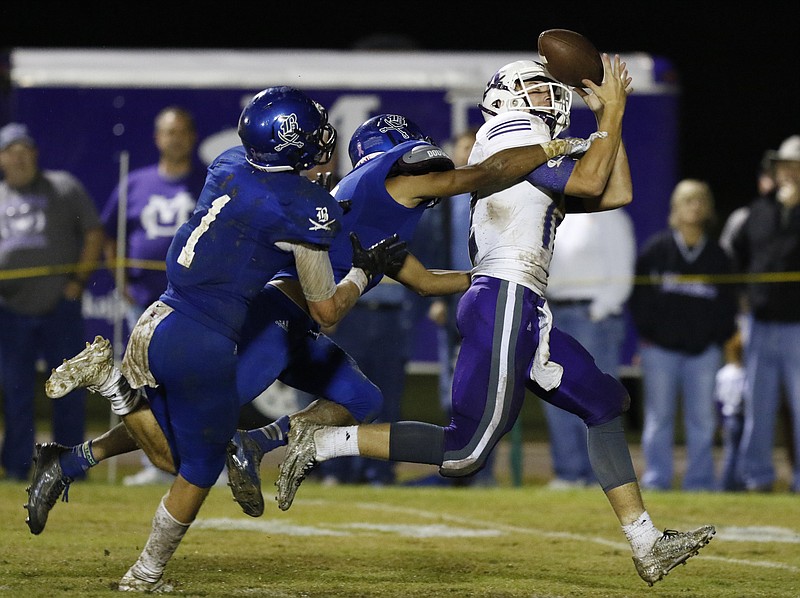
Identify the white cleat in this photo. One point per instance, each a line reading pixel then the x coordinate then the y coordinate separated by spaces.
pixel 300 459
pixel 131 583
pixel 673 548
pixel 88 369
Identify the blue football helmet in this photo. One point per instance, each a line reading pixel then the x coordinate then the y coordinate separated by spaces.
pixel 281 128
pixel 379 134
pixel 510 87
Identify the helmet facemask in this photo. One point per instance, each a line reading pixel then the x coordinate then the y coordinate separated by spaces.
pixel 324 138
pixel 511 87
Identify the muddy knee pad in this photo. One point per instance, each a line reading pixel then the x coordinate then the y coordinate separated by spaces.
pixel 609 455
pixel 416 442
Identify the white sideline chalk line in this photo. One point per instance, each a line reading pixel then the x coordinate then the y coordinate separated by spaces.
pixel 735 534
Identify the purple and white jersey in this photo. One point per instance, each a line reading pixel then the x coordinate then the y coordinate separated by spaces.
pixel 513 230
pixel 156 207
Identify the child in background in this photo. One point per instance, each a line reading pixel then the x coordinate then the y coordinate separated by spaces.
pixel 728 394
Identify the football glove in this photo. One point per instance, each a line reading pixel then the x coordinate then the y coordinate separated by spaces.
pixel 387 254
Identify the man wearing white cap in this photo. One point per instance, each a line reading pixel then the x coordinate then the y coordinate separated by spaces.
pixel 50 241
pixel 769 243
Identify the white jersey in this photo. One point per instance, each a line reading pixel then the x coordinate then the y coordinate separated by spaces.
pixel 513 231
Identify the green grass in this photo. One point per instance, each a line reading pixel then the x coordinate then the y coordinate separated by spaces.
pixel 353 541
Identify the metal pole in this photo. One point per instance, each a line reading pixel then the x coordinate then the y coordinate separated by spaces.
pixel 119 283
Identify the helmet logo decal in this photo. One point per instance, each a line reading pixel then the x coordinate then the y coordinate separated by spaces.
pixel 395 122
pixel 288 133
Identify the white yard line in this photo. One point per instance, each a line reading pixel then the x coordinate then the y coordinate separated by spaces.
pixel 466 528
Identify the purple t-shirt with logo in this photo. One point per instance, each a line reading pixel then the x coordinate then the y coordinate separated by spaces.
pixel 156 207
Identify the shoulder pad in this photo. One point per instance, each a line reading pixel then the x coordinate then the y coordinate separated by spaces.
pixel 422 159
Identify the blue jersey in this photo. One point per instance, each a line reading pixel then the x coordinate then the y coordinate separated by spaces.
pixel 373 214
pixel 362 187
pixel 227 251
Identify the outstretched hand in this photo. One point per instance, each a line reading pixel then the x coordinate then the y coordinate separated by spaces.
pixel 616 85
pixel 384 257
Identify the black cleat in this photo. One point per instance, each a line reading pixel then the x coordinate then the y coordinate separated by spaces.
pixel 47 484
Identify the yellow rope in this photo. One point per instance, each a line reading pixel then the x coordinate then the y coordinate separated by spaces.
pixel 766 277
pixel 36 271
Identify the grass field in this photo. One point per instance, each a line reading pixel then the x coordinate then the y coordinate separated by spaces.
pixel 353 541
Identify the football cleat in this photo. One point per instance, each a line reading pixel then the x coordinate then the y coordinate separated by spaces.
pixel 47 484
pixel 88 369
pixel 673 548
pixel 299 460
pixel 131 583
pixel 243 461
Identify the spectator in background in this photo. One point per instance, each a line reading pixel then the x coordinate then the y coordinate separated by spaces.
pixel 591 279
pixel 160 198
pixel 682 325
pixel 49 231
pixel 728 393
pixel 765 185
pixel 768 242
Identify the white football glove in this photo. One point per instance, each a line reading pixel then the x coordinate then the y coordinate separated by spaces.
pixel 571 146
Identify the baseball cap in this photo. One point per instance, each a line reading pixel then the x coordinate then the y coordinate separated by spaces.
pixel 789 150
pixel 15 133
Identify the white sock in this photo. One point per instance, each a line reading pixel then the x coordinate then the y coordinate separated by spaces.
pixel 336 441
pixel 161 545
pixel 641 534
pixel 118 391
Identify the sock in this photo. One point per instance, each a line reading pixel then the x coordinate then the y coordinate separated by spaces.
pixel 77 460
pixel 271 436
pixel 641 534
pixel 336 441
pixel 167 533
pixel 118 391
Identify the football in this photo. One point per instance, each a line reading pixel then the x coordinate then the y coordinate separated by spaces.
pixel 570 57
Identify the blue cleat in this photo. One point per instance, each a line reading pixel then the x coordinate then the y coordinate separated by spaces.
pixel 243 461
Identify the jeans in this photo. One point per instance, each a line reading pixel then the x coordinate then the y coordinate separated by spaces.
pixel 732 426
pixel 24 339
pixel 772 360
pixel 568 449
pixel 668 375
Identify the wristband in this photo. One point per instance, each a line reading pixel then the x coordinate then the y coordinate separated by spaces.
pixel 358 278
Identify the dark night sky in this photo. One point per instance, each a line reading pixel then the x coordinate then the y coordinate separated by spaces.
pixel 739 70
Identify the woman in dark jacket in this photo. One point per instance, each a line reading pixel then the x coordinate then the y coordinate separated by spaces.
pixel 683 314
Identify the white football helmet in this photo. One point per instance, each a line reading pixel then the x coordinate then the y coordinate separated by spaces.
pixel 509 87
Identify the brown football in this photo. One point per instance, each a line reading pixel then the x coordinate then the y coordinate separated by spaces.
pixel 570 57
